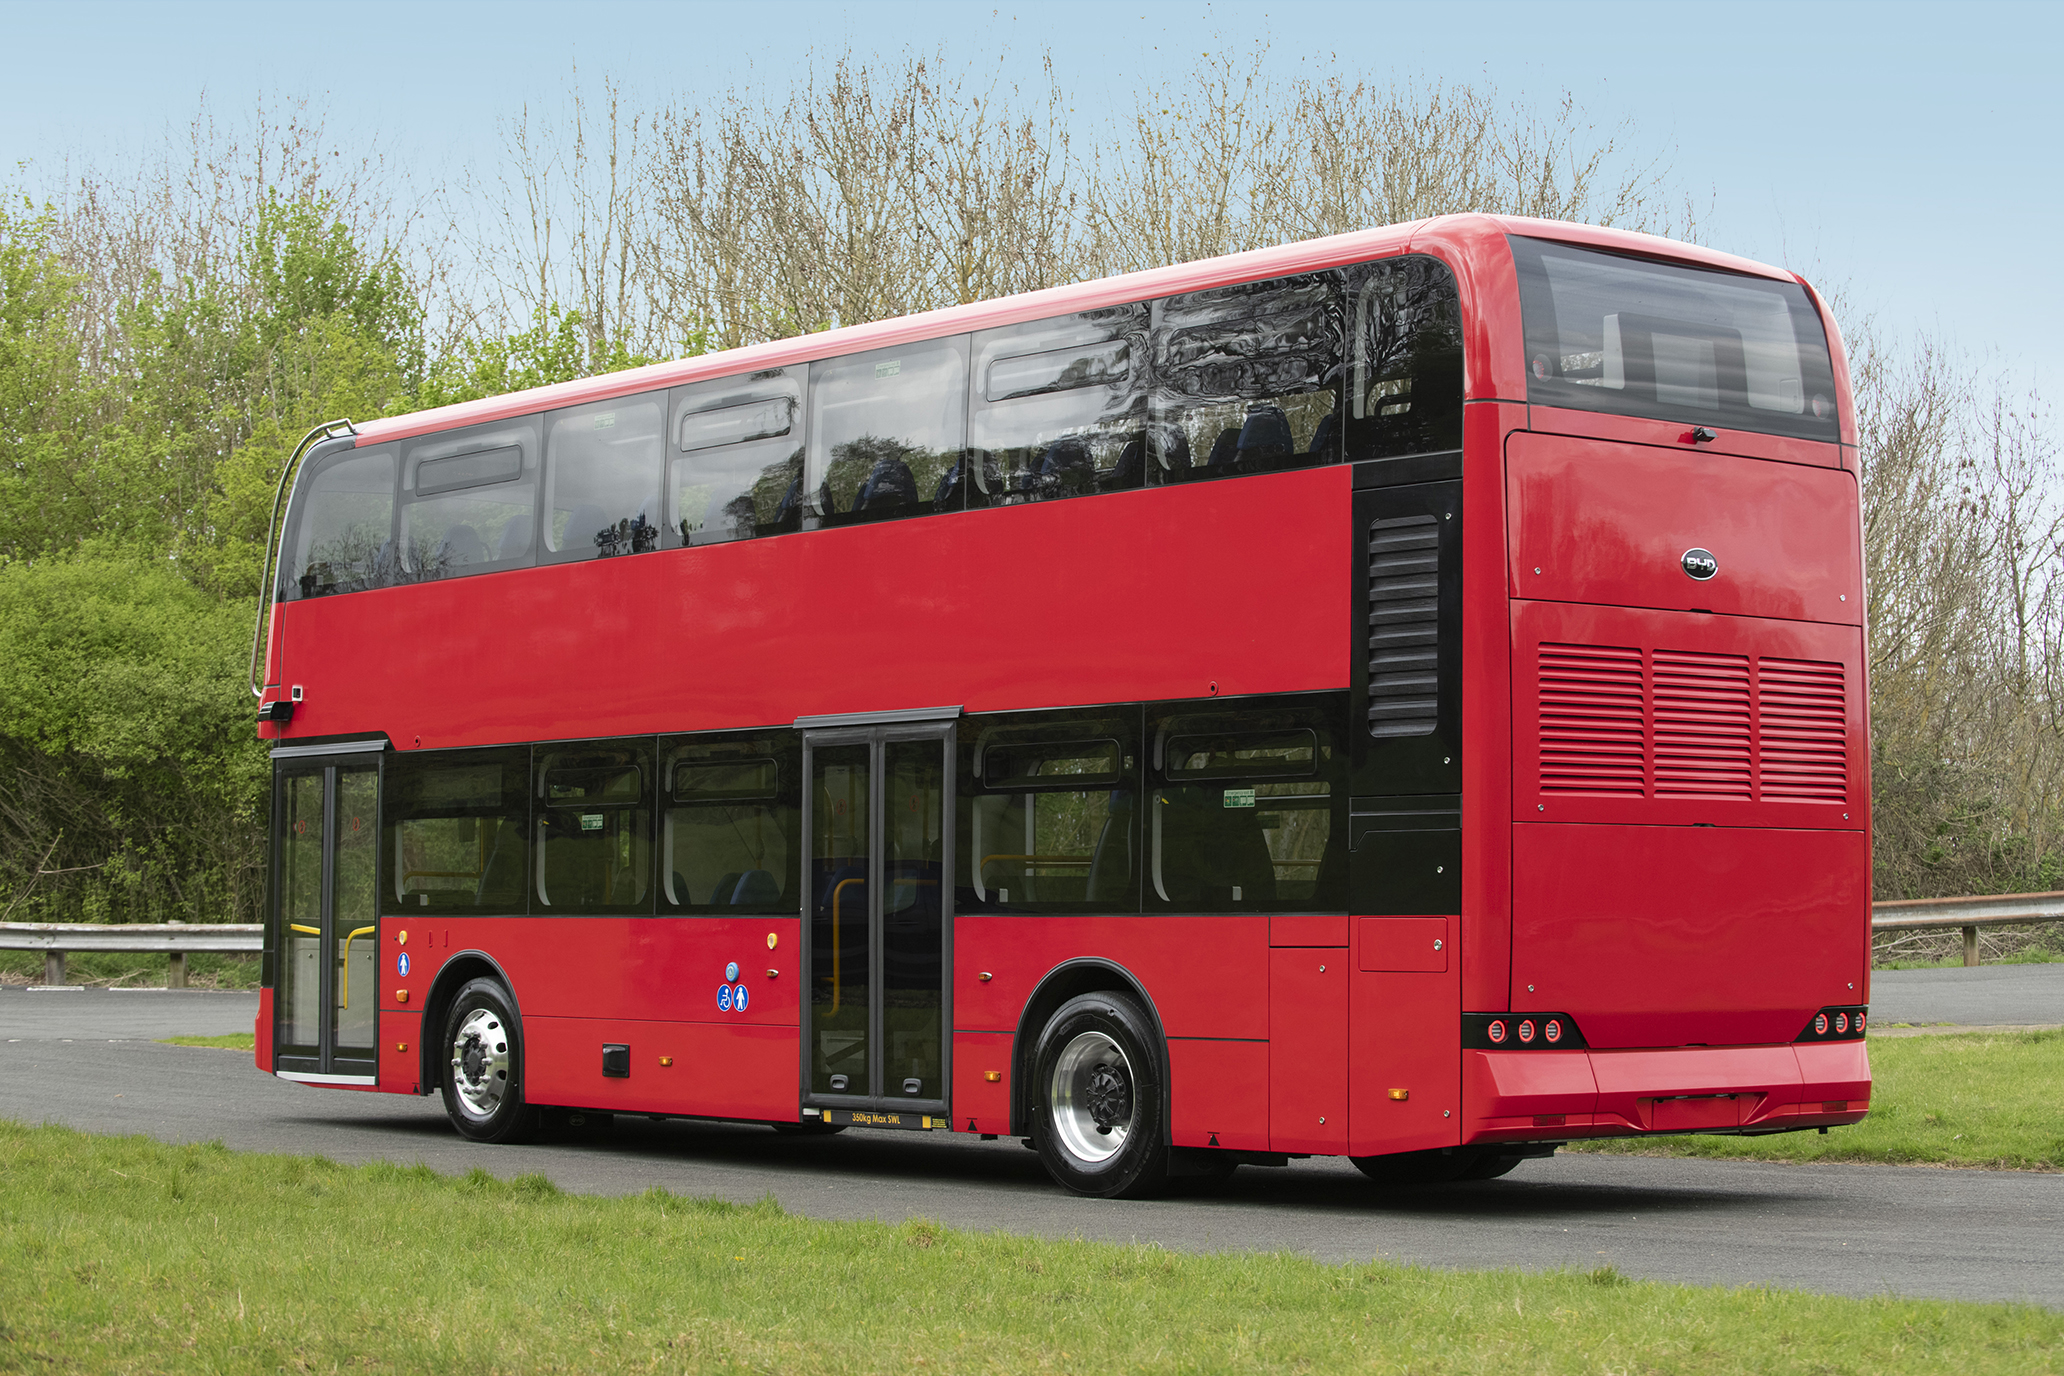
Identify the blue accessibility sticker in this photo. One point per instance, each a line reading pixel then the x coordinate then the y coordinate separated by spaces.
pixel 738 999
pixel 731 972
pixel 401 963
pixel 724 998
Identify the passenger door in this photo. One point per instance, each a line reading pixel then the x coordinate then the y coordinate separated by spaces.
pixel 877 837
pixel 324 937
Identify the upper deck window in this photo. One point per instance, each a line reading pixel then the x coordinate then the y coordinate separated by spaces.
pixel 469 500
pixel 602 466
pixel 342 534
pixel 1246 378
pixel 1639 338
pixel 887 431
pixel 1405 394
pixel 737 463
pixel 1059 407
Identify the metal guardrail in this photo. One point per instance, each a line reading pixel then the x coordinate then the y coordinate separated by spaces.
pixel 55 939
pixel 1969 914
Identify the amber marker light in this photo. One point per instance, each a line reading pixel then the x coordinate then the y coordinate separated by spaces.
pixel 1400 1095
pixel 401 996
pixel 993 1076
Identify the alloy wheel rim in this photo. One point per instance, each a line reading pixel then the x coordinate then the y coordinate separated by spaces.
pixel 1092 1098
pixel 480 1063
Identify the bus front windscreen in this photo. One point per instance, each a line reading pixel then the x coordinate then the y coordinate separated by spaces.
pixel 1636 337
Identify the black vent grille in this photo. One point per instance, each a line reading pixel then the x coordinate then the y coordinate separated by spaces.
pixel 1404 626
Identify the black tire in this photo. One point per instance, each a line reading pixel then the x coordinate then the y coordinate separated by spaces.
pixel 1492 1164
pixel 481 1068
pixel 808 1129
pixel 1097 1099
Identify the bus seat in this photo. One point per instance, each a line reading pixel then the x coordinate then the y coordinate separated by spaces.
pixel 756 888
pixel 790 508
pixel 1132 465
pixel 1327 437
pixel 1067 468
pixel 515 541
pixel 1111 868
pixel 1265 434
pixel 1225 449
pixel 888 486
pixel 1171 446
pixel 461 546
pixel 681 889
pixel 582 528
pixel 722 892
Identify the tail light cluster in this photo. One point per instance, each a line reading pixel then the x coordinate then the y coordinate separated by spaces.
pixel 1521 1032
pixel 1843 1023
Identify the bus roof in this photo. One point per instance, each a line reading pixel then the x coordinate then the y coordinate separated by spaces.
pixel 1259 264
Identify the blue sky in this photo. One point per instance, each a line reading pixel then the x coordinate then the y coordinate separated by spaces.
pixel 1904 154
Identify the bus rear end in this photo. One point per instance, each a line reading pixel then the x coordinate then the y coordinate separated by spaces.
pixel 1688 835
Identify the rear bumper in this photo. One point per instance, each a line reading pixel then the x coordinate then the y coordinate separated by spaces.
pixel 1517 1096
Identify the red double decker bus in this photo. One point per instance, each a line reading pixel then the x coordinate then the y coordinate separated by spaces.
pixel 1397 696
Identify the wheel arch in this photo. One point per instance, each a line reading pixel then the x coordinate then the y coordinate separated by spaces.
pixel 1071 979
pixel 455 974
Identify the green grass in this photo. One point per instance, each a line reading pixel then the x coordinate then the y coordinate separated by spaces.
pixel 125 1254
pixel 1971 1099
pixel 204 969
pixel 229 1041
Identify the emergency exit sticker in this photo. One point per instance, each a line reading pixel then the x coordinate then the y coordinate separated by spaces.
pixel 1239 797
pixel 591 821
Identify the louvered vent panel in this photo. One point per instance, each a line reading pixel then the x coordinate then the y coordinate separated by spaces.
pixel 1592 739
pixel 1802 753
pixel 1404 626
pixel 1701 725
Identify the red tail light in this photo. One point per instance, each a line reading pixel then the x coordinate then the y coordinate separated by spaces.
pixel 1526 1031
pixel 1498 1030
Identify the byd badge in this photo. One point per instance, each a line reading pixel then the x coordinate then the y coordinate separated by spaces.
pixel 1700 564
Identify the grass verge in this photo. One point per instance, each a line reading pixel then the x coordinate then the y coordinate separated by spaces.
pixel 125 1254
pixel 144 969
pixel 229 1041
pixel 1976 1099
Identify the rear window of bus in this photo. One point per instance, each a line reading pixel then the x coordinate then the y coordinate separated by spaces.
pixel 1634 337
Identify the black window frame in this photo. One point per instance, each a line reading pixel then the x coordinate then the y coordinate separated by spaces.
pixel 783 746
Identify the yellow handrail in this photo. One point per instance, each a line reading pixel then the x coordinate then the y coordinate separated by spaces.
pixel 345 1000
pixel 297 927
pixel 837 890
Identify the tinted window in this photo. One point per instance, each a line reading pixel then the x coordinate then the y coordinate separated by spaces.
pixel 594 828
pixel 469 500
pixel 1246 378
pixel 1641 338
pixel 343 529
pixel 1059 407
pixel 731 825
pixel 737 464
pixel 1049 813
pixel 455 828
pixel 1247 813
pixel 602 470
pixel 887 430
pixel 1405 380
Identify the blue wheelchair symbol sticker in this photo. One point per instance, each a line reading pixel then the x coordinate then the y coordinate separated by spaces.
pixel 738 999
pixel 724 998
pixel 401 963
pixel 731 973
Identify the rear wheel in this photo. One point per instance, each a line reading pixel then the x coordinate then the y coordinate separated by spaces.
pixel 1097 1118
pixel 483 1066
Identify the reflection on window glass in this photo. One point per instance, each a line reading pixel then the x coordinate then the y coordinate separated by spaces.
pixel 594 828
pixel 732 823
pixel 737 467
pixel 1405 396
pixel 469 500
pixel 887 432
pixel 1248 818
pixel 343 537
pixel 602 470
pixel 1060 407
pixel 1642 338
pixel 1245 378
pixel 455 827
pixel 1049 816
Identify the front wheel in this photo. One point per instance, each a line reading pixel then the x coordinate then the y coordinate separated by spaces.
pixel 1097 1121
pixel 483 1066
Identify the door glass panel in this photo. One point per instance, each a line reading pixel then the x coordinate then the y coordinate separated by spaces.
pixel 300 945
pixel 840 783
pixel 913 810
pixel 352 930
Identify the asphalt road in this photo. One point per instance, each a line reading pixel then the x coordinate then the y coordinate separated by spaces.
pixel 1984 995
pixel 86 1060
